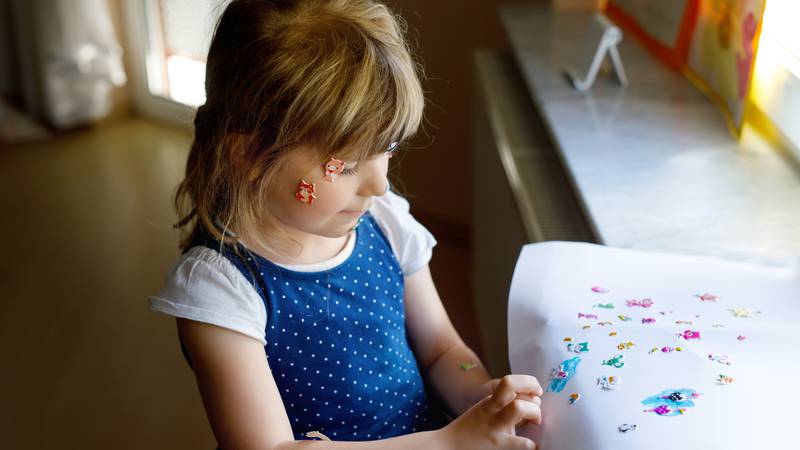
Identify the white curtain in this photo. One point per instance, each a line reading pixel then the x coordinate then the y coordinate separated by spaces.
pixel 69 59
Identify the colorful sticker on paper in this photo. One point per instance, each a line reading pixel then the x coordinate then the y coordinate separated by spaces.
pixel 614 362
pixel 671 402
pixel 581 347
pixel 743 312
pixel 604 305
pixel 689 335
pixel 644 303
pixel 625 345
pixel 724 380
pixel 707 297
pixel 665 349
pixel 608 383
pixel 722 359
pixel 560 376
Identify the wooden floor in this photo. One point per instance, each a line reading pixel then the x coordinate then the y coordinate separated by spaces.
pixel 86 237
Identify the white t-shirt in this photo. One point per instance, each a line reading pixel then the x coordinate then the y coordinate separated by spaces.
pixel 205 286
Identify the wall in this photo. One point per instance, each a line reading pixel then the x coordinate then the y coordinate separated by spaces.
pixel 446 33
pixel 437 172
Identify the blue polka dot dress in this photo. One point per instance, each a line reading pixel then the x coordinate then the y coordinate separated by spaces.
pixel 337 344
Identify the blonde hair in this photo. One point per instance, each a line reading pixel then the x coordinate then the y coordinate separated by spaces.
pixel 334 74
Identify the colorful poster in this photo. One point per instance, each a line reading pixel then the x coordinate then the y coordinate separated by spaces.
pixel 664 27
pixel 722 52
pixel 653 351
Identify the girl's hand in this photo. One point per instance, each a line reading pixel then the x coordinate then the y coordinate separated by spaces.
pixel 491 422
pixel 489 387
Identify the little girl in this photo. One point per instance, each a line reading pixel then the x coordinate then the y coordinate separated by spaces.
pixel 303 298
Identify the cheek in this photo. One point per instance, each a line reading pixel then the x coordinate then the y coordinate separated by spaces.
pixel 330 198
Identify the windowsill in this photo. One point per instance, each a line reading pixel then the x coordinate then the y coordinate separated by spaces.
pixel 653 164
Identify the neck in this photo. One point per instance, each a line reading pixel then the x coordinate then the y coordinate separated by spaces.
pixel 303 248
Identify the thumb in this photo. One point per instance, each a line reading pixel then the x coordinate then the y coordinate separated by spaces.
pixel 518 443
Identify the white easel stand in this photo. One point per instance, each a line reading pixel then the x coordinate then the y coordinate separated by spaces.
pixel 606 36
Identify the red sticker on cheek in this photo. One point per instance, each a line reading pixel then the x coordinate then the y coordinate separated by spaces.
pixel 306 192
pixel 333 168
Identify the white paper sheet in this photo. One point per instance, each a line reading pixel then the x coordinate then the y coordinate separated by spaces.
pixel 553 283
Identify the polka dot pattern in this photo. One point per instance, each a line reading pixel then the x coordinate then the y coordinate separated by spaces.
pixel 337 345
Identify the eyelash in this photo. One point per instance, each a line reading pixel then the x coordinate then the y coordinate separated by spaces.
pixel 352 171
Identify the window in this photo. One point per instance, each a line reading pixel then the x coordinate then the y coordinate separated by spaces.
pixel 776 81
pixel 169 40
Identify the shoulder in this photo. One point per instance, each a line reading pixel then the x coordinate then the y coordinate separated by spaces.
pixel 411 242
pixel 203 285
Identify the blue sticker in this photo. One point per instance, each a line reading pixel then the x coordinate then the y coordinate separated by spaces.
pixel 671 402
pixel 560 376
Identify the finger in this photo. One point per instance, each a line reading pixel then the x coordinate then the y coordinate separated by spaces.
pixel 525 384
pixel 531 398
pixel 488 388
pixel 532 384
pixel 493 384
pixel 519 410
pixel 517 443
pixel 503 393
pixel 526 429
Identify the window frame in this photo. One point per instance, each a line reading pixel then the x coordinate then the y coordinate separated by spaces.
pixel 778 96
pixel 142 26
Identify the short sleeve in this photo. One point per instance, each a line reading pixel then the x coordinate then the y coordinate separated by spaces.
pixel 205 286
pixel 411 241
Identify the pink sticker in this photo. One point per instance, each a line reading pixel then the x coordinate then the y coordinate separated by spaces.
pixel 648 320
pixel 644 303
pixel 600 290
pixel 689 334
pixel 707 297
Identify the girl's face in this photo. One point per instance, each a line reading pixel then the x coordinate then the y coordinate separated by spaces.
pixel 338 205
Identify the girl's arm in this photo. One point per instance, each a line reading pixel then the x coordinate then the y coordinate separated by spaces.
pixel 242 401
pixel 439 348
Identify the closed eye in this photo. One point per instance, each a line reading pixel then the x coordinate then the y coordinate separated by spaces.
pixel 350 171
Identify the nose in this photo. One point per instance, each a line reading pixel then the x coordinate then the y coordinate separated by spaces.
pixel 375 183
